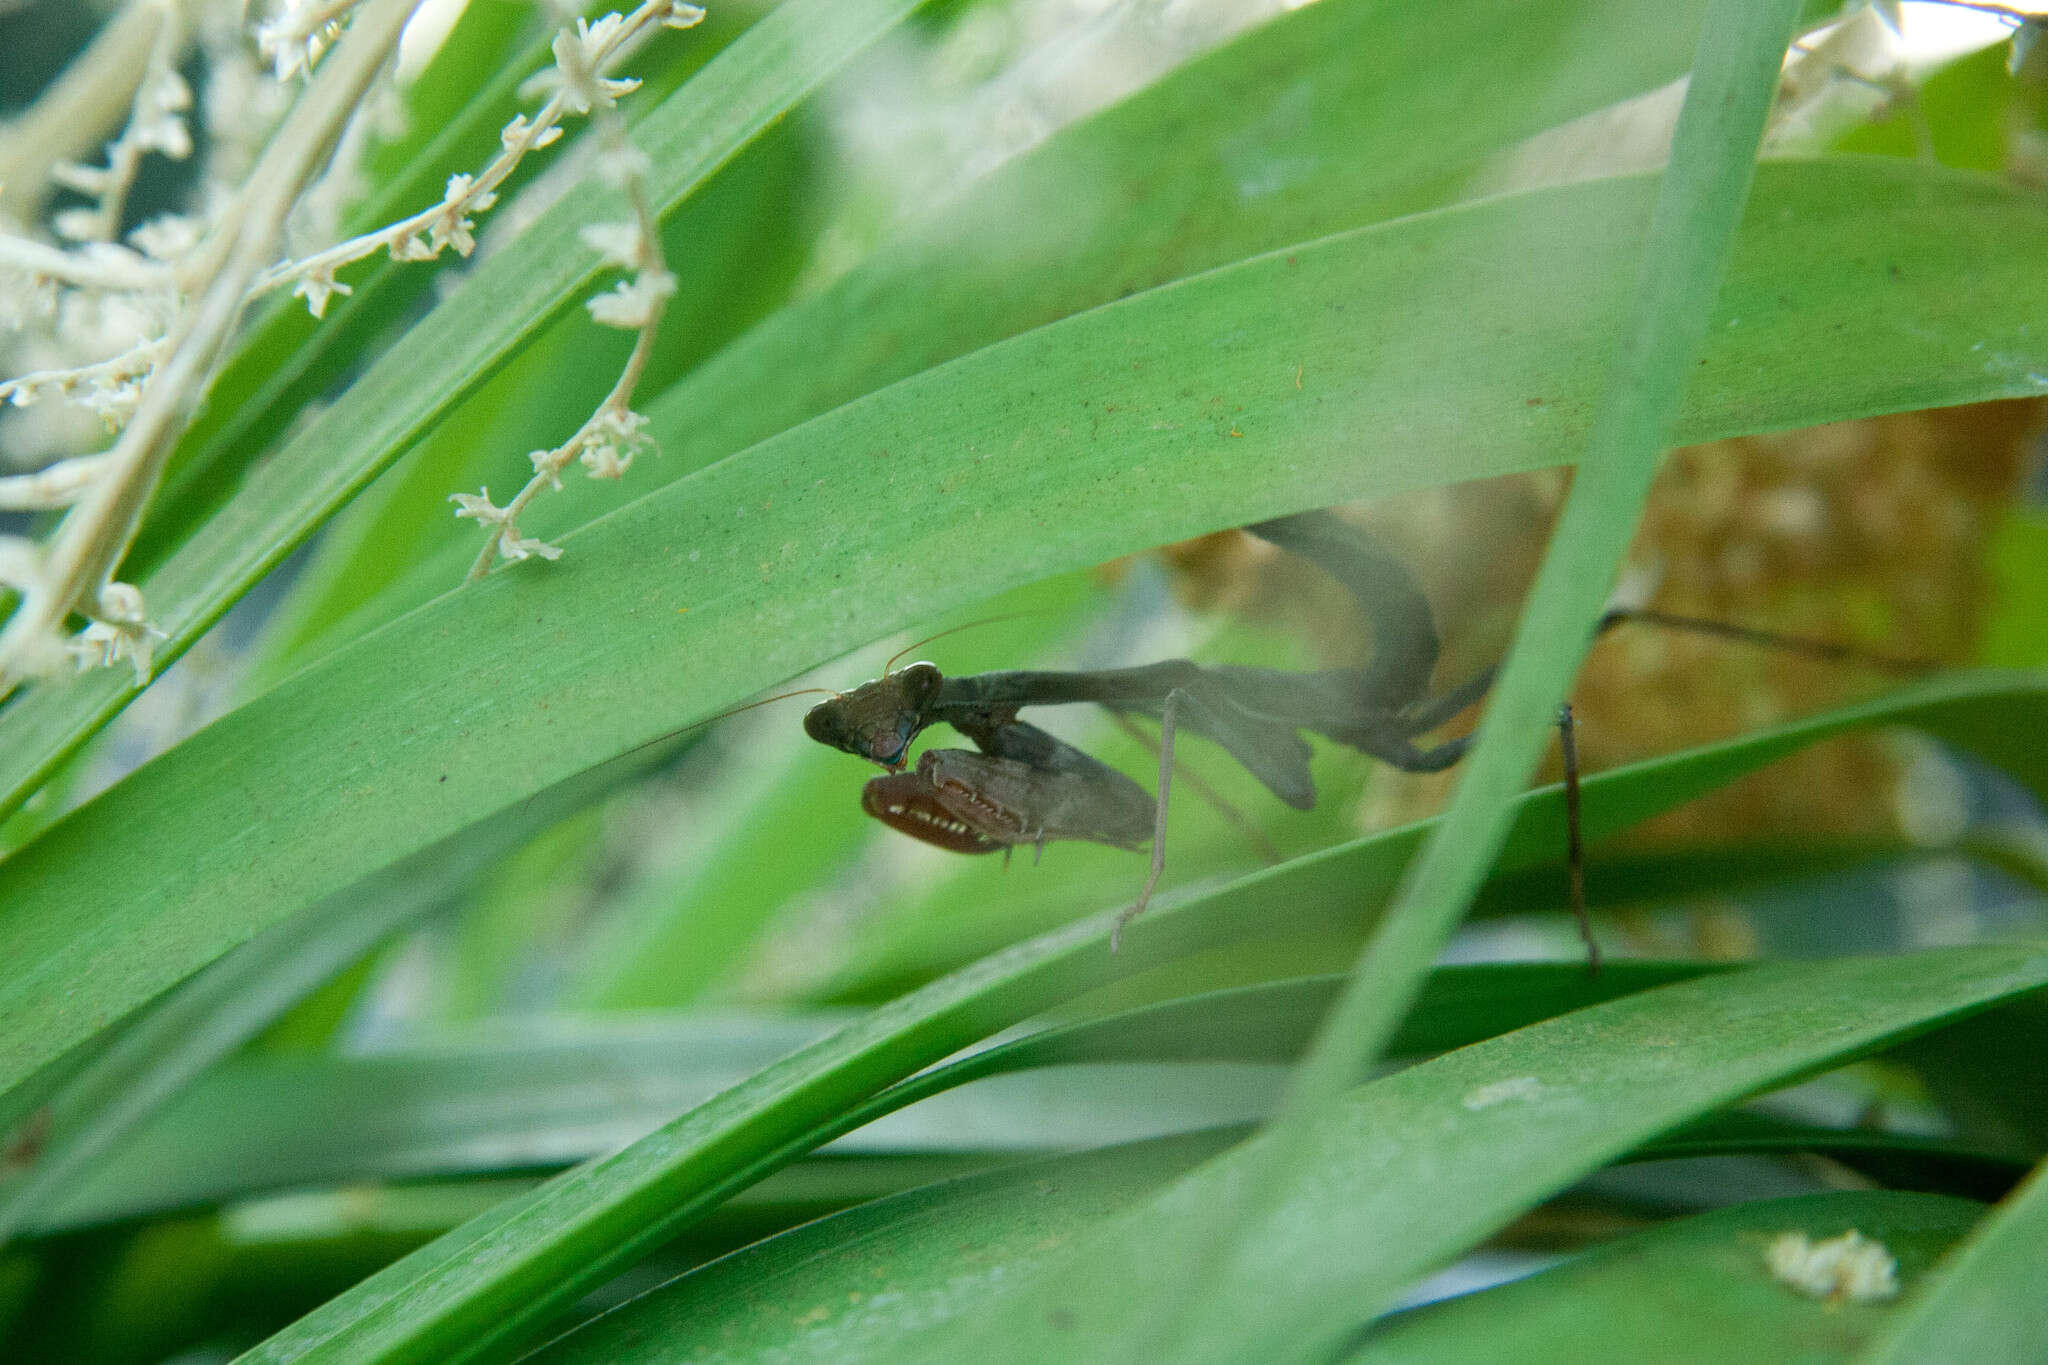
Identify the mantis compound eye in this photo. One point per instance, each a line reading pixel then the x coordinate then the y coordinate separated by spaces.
pixel 826 723
pixel 919 684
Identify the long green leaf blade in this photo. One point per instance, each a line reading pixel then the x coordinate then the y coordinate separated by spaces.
pixel 490 694
pixel 206 1017
pixel 590 1220
pixel 841 1289
pixel 539 676
pixel 810 1295
pixel 1410 1171
pixel 511 1100
pixel 1237 152
pixel 1697 1290
pixel 1689 239
pixel 1983 1303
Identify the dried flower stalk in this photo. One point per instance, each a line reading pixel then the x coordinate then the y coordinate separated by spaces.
pixel 607 442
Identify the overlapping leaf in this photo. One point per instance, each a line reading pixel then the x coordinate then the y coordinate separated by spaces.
pixel 1171 413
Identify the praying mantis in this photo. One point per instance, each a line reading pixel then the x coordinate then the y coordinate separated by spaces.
pixel 1024 786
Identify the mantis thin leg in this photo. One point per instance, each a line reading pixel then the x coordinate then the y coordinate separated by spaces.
pixel 1768 639
pixel 1168 714
pixel 1192 780
pixel 1574 848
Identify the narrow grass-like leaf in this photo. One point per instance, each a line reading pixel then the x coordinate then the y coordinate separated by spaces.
pixel 410 1117
pixel 589 1221
pixel 1695 1291
pixel 537 1098
pixel 548 1096
pixel 1367 870
pixel 1631 877
pixel 1690 238
pixel 1171 413
pixel 475 1293
pixel 203 1019
pixel 1962 1068
pixel 1410 1171
pixel 250 1268
pixel 207 1017
pixel 1279 136
pixel 1893 1160
pixel 125 1296
pixel 899 955
pixel 839 1290
pixel 1983 1302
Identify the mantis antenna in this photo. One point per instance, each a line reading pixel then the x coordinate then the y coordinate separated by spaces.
pixel 890 667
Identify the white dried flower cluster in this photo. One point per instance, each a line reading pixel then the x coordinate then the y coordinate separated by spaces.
pixel 634 303
pixel 293 40
pixel 1850 1268
pixel 576 61
pixel 168 237
pixel 617 244
pixel 615 438
pixel 318 286
pixel 156 123
pixel 519 135
pixel 242 101
pixel 131 331
pixel 510 543
pixel 120 630
pixel 109 388
pixel 424 235
pixel 607 443
pixel 92 297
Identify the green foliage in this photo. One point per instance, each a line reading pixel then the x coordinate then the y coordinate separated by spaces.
pixel 639 999
pixel 1695 1289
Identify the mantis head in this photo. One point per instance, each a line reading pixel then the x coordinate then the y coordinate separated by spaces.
pixel 878 720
